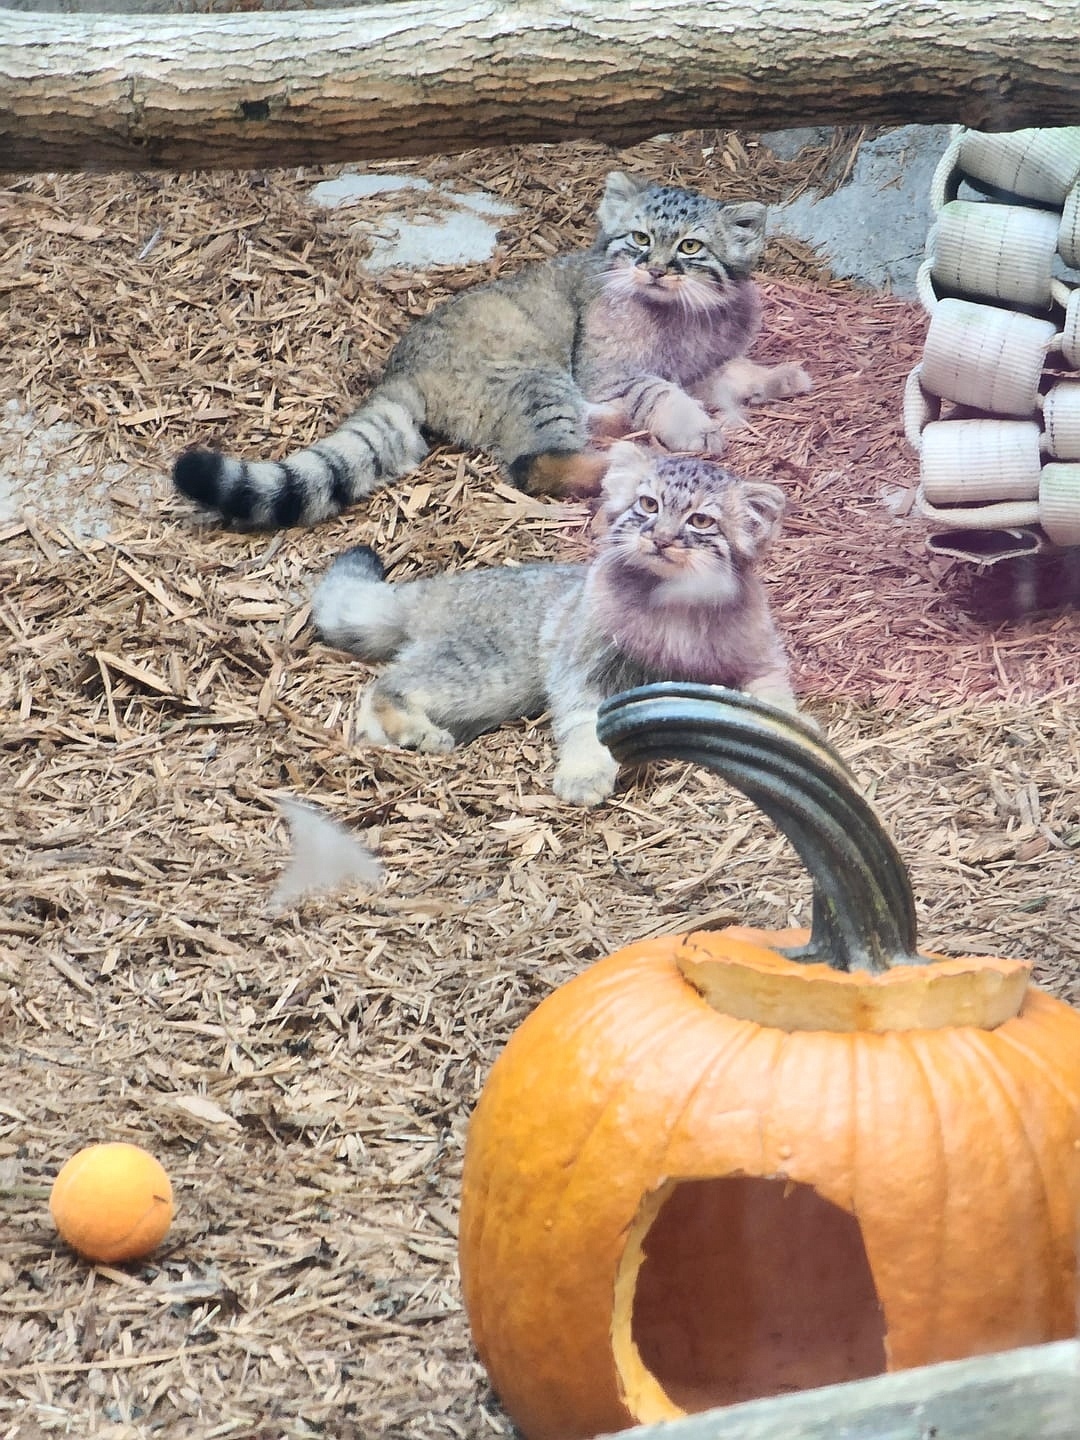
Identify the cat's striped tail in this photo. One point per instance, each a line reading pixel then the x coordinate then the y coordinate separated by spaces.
pixel 375 445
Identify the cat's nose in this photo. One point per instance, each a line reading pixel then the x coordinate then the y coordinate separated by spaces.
pixel 656 272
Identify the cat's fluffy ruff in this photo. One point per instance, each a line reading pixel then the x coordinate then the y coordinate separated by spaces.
pixel 631 335
pixel 671 595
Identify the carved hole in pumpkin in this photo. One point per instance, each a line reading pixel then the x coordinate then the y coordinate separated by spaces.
pixel 748 1287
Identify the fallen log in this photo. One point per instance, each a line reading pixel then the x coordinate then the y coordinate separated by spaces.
pixel 411 77
pixel 1029 1394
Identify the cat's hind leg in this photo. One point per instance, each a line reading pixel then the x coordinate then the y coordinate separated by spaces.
pixel 560 473
pixel 354 608
pixel 544 435
pixel 444 689
pixel 391 716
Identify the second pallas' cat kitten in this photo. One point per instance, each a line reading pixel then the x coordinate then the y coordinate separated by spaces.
pixel 672 594
pixel 646 331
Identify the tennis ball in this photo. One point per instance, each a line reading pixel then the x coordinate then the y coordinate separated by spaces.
pixel 112 1202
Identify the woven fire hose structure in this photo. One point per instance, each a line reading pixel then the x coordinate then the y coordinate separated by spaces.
pixel 994 406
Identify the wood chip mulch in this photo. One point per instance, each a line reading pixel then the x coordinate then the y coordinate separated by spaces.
pixel 307 1077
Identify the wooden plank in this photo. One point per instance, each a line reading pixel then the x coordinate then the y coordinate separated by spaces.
pixel 410 77
pixel 1029 1394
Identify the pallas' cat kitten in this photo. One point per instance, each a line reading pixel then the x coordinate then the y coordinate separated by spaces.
pixel 672 594
pixel 638 333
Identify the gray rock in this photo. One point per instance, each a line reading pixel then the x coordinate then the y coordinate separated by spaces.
pixel 786 144
pixel 873 229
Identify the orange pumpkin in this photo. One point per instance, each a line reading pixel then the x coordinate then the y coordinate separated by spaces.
pixel 724 1165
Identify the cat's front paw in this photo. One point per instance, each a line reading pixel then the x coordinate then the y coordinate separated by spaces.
pixel 713 439
pixel 419 735
pixel 782 697
pixel 679 422
pixel 429 740
pixel 585 781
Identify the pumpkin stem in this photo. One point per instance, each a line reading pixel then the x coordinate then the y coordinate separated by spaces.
pixel 863 910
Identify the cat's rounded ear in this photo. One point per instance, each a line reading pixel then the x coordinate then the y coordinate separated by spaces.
pixel 621 193
pixel 763 510
pixel 745 225
pixel 628 466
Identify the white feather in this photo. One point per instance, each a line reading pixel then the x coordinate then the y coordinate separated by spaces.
pixel 325 856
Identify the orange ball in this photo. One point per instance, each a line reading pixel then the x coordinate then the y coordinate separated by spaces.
pixel 112 1202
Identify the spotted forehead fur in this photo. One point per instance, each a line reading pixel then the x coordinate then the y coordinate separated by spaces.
pixel 671 211
pixel 679 482
pixel 674 478
pixel 684 484
pixel 685 207
pixel 687 479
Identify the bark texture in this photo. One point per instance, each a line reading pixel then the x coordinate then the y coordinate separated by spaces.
pixel 1030 1394
pixel 410 77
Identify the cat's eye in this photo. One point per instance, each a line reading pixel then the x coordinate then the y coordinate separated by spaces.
pixel 641 237
pixel 648 504
pixel 691 247
pixel 700 521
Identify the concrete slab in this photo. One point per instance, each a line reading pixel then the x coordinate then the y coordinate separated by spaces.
pixel 345 188
pixel 454 228
pixel 37 473
pixel 459 237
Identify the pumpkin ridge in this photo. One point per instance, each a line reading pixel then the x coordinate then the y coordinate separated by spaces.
pixel 990 1076
pixel 721 1057
pixel 473 1233
pixel 1007 1035
pixel 988 1067
pixel 557 1200
pixel 952 1073
pixel 664 1175
pixel 800 1051
pixel 617 1093
pixel 477 1203
pixel 913 1049
pixel 605 983
pixel 585 1019
pixel 1045 1166
pixel 605 993
pixel 767 1111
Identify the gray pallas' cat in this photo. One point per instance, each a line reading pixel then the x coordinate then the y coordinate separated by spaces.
pixel 671 594
pixel 634 334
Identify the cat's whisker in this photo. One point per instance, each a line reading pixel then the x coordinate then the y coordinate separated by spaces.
pixel 690 301
pixel 699 297
pixel 618 283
